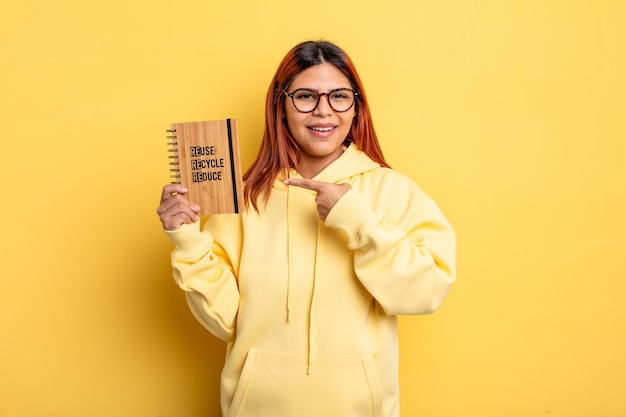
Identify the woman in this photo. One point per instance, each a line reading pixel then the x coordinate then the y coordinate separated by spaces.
pixel 306 284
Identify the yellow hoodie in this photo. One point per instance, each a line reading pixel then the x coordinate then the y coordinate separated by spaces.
pixel 308 308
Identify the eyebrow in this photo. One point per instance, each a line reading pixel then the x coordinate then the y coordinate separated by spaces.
pixel 317 91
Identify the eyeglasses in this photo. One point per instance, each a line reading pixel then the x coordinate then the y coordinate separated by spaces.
pixel 339 99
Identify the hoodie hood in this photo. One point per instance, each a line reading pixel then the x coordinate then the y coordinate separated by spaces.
pixel 352 162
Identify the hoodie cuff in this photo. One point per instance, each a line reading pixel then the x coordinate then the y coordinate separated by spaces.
pixel 349 214
pixel 189 240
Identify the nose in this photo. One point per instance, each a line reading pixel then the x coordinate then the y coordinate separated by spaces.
pixel 323 105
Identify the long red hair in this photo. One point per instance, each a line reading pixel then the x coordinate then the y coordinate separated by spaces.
pixel 279 151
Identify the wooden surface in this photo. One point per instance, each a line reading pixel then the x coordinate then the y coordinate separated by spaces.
pixel 205 165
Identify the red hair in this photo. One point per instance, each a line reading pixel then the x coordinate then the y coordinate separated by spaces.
pixel 279 150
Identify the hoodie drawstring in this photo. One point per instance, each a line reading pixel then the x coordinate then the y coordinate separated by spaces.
pixel 290 255
pixel 312 307
pixel 292 259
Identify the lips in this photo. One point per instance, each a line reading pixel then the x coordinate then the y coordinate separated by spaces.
pixel 324 128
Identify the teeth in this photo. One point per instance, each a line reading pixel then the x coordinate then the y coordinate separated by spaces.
pixel 321 129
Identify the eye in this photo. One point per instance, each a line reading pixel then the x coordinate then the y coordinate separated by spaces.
pixel 305 95
pixel 341 95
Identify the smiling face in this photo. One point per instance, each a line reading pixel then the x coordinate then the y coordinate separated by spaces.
pixel 321 132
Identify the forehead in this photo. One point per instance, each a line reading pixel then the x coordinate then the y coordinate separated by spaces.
pixel 321 77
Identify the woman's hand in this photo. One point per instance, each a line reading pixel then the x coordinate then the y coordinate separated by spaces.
pixel 327 194
pixel 175 210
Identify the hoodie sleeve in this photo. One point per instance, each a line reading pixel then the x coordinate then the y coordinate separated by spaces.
pixel 204 271
pixel 404 248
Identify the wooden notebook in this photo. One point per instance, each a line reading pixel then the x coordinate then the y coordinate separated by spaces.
pixel 205 159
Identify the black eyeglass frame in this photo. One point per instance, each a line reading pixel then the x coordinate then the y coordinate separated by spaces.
pixel 319 97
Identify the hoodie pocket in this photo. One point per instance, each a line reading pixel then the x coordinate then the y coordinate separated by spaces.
pixel 275 383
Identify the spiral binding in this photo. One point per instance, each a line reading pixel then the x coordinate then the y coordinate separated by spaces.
pixel 175 163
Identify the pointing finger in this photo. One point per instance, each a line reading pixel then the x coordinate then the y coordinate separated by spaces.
pixel 305 183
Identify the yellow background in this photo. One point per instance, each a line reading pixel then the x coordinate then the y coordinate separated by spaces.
pixel 511 114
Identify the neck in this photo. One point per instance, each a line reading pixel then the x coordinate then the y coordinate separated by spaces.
pixel 309 171
pixel 311 166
